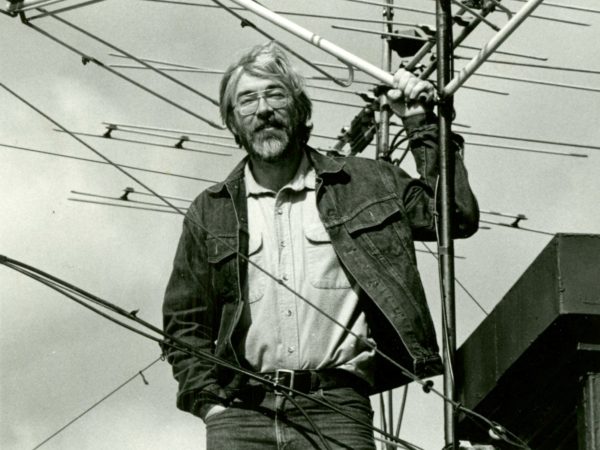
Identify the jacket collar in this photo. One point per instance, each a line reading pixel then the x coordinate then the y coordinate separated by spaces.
pixel 323 164
pixel 235 176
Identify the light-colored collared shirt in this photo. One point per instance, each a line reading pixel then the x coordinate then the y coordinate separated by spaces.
pixel 288 240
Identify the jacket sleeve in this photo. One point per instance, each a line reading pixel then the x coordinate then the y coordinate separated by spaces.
pixel 189 315
pixel 419 197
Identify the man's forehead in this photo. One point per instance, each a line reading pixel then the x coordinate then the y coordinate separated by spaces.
pixel 248 83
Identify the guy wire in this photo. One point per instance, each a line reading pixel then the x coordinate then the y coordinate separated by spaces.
pixel 64 288
pixel 404 370
pixel 114 391
pixel 86 59
pixel 129 55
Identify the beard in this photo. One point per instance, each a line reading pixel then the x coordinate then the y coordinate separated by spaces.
pixel 268 142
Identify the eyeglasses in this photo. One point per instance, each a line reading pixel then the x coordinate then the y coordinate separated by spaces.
pixel 276 98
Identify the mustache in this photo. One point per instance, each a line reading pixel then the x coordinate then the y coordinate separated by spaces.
pixel 275 123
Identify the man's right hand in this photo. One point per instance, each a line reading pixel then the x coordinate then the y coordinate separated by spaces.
pixel 214 409
pixel 410 95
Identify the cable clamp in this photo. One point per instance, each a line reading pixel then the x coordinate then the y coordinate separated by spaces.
pixel 144 378
pixel 427 386
pixel 443 250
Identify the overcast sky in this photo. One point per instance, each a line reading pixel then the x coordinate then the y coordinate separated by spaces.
pixel 57 358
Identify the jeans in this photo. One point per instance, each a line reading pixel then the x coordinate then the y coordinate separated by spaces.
pixel 254 422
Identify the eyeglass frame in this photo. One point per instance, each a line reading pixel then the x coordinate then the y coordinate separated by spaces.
pixel 261 94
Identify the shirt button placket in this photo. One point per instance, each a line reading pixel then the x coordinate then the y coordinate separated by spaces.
pixel 286 299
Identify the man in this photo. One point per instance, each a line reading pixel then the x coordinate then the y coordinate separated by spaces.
pixel 289 241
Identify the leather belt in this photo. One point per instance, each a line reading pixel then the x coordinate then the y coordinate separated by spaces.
pixel 307 381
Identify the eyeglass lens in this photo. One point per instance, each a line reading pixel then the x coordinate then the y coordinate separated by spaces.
pixel 276 98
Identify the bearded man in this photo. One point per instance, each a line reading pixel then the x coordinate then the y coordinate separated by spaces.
pixel 301 268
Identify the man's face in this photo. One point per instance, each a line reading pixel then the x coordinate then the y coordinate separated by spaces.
pixel 266 133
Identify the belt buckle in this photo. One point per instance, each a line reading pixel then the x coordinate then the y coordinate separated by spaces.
pixel 285 378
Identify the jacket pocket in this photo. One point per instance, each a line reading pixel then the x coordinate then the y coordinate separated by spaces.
pixel 321 263
pixel 221 257
pixel 373 216
pixel 220 248
pixel 382 226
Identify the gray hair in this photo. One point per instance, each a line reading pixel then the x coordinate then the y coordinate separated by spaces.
pixel 267 61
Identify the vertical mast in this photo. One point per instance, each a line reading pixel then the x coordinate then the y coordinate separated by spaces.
pixel 383 145
pixel 446 194
pixel 383 135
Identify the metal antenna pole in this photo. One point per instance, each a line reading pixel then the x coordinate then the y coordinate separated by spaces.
pixel 383 145
pixel 383 135
pixel 446 193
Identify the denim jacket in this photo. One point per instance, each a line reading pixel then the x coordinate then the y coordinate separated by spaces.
pixel 372 210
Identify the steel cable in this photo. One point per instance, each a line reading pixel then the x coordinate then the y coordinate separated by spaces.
pixel 110 394
pixel 87 59
pixel 427 386
pixel 72 292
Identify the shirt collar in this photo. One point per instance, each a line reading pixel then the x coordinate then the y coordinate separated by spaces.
pixel 304 178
